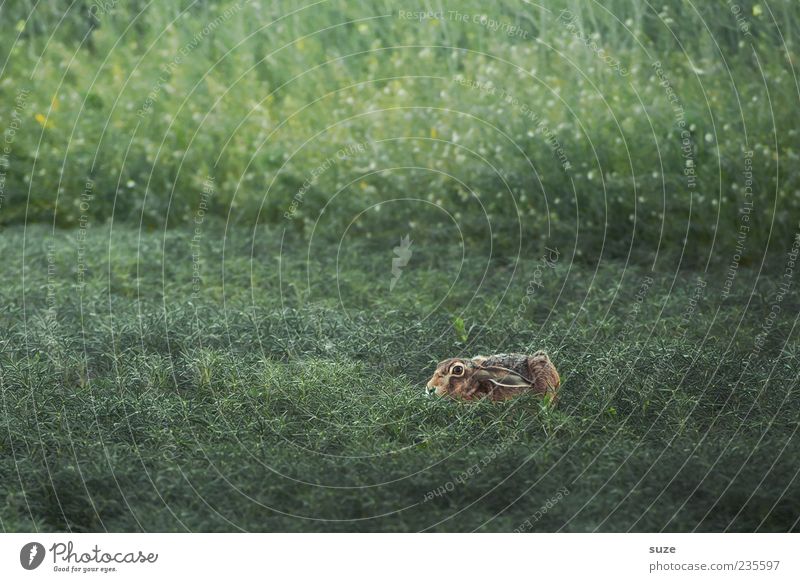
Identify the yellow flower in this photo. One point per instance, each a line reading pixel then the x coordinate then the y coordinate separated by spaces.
pixel 757 10
pixel 434 133
pixel 43 121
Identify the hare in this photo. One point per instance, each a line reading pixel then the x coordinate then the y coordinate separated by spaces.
pixel 498 377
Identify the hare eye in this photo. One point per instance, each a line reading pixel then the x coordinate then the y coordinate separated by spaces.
pixel 457 370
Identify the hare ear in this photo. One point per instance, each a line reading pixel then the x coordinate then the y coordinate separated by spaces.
pixel 502 378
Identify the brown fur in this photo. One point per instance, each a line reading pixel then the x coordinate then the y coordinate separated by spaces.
pixel 497 377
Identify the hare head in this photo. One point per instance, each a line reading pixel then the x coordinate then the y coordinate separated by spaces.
pixel 454 377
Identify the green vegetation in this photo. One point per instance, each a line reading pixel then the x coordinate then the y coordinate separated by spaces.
pixel 136 403
pixel 148 101
pixel 237 237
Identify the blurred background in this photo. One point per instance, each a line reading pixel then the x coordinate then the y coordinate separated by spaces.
pixel 612 127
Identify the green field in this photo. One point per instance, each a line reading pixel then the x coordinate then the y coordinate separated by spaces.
pixel 237 237
pixel 269 402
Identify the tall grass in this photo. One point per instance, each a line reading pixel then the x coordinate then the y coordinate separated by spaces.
pixel 129 108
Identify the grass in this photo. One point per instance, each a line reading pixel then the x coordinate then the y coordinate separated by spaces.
pixel 208 320
pixel 263 390
pixel 143 102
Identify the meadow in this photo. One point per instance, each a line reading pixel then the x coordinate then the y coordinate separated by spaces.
pixel 265 403
pixel 237 237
